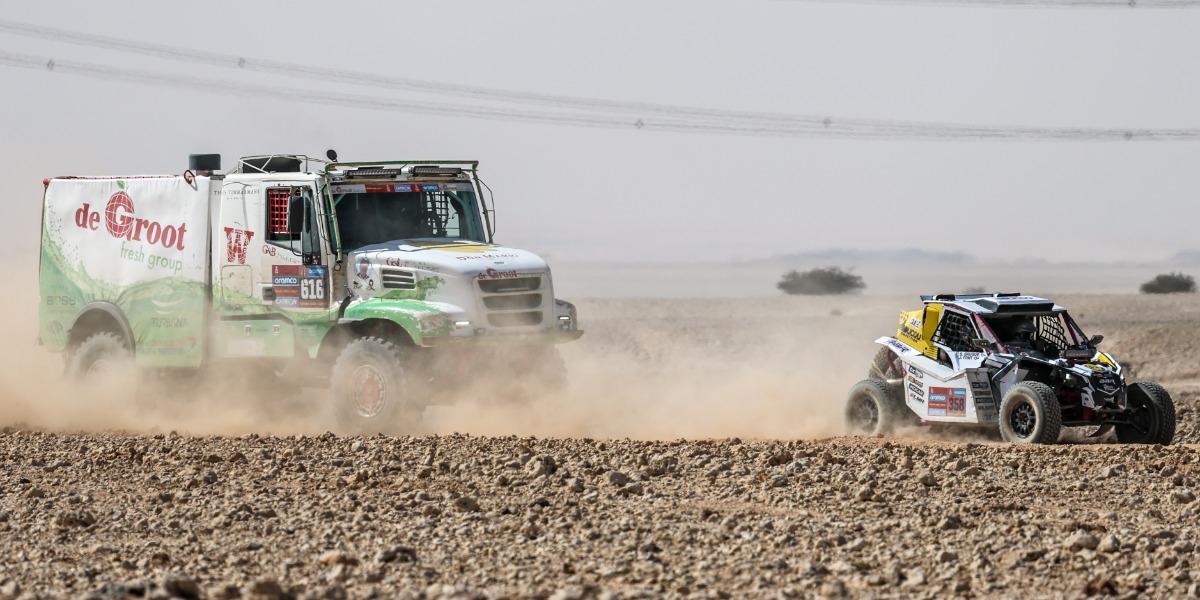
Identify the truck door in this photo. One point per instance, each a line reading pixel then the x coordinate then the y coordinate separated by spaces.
pixel 274 297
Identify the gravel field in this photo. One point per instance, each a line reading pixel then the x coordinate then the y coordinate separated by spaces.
pixel 634 486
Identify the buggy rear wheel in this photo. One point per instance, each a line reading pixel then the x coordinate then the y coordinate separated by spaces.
pixel 872 408
pixel 885 366
pixel 1153 413
pixel 1030 414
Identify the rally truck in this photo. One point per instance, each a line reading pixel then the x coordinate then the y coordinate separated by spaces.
pixel 1008 362
pixel 379 280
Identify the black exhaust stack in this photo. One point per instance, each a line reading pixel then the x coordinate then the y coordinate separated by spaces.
pixel 204 164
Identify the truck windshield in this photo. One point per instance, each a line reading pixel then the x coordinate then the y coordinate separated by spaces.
pixel 373 214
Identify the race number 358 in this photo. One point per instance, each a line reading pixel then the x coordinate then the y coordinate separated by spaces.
pixel 312 289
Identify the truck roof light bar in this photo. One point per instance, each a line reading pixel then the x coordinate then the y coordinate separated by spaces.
pixel 434 171
pixel 373 173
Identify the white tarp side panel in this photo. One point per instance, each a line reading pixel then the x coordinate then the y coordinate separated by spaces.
pixel 140 244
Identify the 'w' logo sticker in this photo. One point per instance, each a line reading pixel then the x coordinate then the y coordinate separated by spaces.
pixel 236 243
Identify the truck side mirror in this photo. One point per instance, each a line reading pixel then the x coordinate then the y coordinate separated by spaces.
pixel 295 214
pixel 1096 339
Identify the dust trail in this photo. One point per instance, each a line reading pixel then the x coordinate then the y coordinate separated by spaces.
pixel 35 392
pixel 664 369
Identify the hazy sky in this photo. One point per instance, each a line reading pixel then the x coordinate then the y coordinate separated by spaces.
pixel 628 195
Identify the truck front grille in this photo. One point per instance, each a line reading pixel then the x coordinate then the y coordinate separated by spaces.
pixel 513 302
pixel 398 279
pixel 515 319
pixel 516 284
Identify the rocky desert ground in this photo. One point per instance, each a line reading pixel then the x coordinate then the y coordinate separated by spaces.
pixel 696 454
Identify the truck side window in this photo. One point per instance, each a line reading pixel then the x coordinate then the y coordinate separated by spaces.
pixel 277 208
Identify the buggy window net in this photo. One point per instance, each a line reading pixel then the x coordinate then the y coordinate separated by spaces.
pixel 1050 331
pixel 1044 333
pixel 956 333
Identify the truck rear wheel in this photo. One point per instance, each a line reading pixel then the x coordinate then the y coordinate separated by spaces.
pixel 103 359
pixel 1030 414
pixel 371 390
pixel 1153 412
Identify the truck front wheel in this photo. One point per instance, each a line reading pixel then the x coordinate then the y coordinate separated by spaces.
pixel 371 389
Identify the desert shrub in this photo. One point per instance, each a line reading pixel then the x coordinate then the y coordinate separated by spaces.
pixel 977 289
pixel 1170 283
pixel 820 282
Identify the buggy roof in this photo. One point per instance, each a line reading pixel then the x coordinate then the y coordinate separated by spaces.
pixel 995 303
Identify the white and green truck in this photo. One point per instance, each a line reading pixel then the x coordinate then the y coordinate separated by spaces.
pixel 380 280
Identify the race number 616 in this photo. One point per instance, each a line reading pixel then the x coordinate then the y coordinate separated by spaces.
pixel 312 289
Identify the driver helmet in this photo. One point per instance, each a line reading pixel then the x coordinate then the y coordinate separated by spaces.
pixel 1024 329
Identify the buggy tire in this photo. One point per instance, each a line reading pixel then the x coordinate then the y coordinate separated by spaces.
pixel 885 366
pixel 1030 414
pixel 872 408
pixel 371 388
pixel 1149 403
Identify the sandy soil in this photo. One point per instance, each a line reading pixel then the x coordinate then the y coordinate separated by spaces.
pixel 695 454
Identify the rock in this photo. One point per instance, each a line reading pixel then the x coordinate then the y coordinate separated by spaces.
pixel 633 489
pixel 466 504
pixel 927 479
pixel 1082 540
pixel 946 556
pixel 950 521
pixel 1109 544
pixel 864 493
pixel 575 484
pixel 402 554
pixel 337 557
pixel 617 478
pixel 75 518
pixel 181 586
pixel 957 464
pixel 1182 496
pixel 267 589
pixel 10 590
pixel 541 465
pixel 913 578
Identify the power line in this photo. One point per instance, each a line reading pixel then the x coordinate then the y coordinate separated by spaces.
pixel 642 115
pixel 1119 4
pixel 813 127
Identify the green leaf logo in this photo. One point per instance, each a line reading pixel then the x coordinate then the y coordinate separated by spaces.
pixel 120 184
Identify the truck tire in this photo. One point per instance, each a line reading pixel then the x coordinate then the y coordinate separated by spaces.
pixel 103 359
pixel 371 388
pixel 1030 414
pixel 1154 412
pixel 873 407
pixel 885 366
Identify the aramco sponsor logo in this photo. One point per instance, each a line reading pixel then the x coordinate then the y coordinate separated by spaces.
pixel 122 222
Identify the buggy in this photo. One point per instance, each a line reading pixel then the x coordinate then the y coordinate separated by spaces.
pixel 1007 361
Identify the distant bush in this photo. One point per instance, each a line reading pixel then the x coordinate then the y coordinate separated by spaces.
pixel 978 289
pixel 1170 283
pixel 820 282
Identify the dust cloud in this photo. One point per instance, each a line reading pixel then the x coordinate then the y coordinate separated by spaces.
pixel 647 369
pixel 712 368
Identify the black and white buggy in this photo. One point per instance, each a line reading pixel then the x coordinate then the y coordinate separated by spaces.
pixel 1017 363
